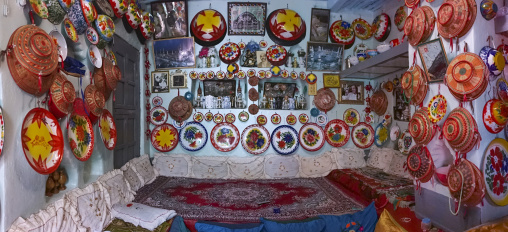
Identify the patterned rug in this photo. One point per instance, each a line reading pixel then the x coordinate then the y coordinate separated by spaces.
pixel 246 201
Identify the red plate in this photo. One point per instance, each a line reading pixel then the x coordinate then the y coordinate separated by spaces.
pixel 303 118
pixel 261 119
pixel 363 135
pixel 158 115
pixel 208 27
pixel 42 141
pixel 225 137
pixel 164 138
pixel 218 118
pixel 411 3
pixel 276 118
pixel 312 137
pixel 337 133
pixel 198 117
pixel 291 119
pixel 81 136
pixel 208 116
pixel 107 127
pixel 230 118
pixel 285 27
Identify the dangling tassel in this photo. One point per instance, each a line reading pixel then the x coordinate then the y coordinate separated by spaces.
pixel 40 82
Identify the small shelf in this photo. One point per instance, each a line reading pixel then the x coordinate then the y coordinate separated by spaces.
pixel 391 61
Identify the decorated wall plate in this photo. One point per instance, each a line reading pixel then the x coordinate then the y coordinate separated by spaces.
pixel 220 75
pixel 230 118
pixel 61 43
pixel 303 118
pixel 311 78
pixel 233 68
pixel 502 89
pixel 193 75
pixel 381 27
pixel 42 141
pixel 437 108
pixel 225 137
pixel 70 30
pixel 107 127
pixel 312 137
pixel 202 76
pixel 322 119
pixel 351 117
pixel 208 27
pixel 294 75
pixel 285 140
pixel 95 56
pixel 337 133
pixel 400 18
pixel 268 74
pixel 81 136
pixel 291 119
pixel 158 115
pixel 363 135
pixel 284 73
pixel 394 133
pixel 1 131
pixel 241 44
pixel 243 116
pixel 494 170
pixel 362 29
pixel 276 119
pixel 302 75
pixel 210 75
pixel 157 101
pixel 40 8
pixel 263 43
pixel 342 32
pixel 251 73
pixel 255 139
pixel 261 120
pixel 198 117
pixel 276 55
pixel 193 136
pixel 406 142
pixel 285 27
pixel 208 116
pixel 179 125
pixel 229 52
pixel 241 74
pixel 218 118
pixel 381 135
pixel 230 76
pixel 369 118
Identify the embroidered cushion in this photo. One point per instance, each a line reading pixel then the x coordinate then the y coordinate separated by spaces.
pixel 316 166
pixel 135 182
pixel 246 167
pixel 142 215
pixel 90 206
pixel 397 166
pixel 350 158
pixel 277 166
pixel 380 158
pixel 210 167
pixel 117 187
pixel 144 169
pixel 172 164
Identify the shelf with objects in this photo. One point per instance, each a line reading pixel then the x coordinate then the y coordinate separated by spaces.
pixel 219 94
pixel 391 61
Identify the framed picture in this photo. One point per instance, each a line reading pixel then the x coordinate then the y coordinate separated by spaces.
pixel 434 59
pixel 401 110
pixel 178 79
pixel 261 60
pixel 219 88
pixel 331 80
pixel 324 56
pixel 172 18
pixel 174 53
pixel 160 80
pixel 319 25
pixel 246 18
pixel 351 92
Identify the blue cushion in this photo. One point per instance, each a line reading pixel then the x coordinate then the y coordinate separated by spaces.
pixel 367 218
pixel 308 225
pixel 178 225
pixel 205 226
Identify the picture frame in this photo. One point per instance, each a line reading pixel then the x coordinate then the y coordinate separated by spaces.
pixel 159 82
pixel 246 18
pixel 319 24
pixel 172 17
pixel 331 80
pixel 178 79
pixel 324 56
pixel 351 92
pixel 434 60
pixel 174 53
pixel 261 60
pixel 401 110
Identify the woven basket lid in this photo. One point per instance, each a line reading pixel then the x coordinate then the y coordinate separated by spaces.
pixel 94 100
pixel 420 164
pixel 62 94
pixel 112 74
pixel 342 32
pixel 379 102
pixel 253 109
pixel 417 20
pixel 465 73
pixel 411 3
pixel 324 99
pixel 178 106
pixel 470 18
pixel 208 27
pixel 185 105
pixel 285 27
pixel 480 188
pixel 430 18
pixel 229 53
pixel 462 179
pixel 253 94
pixel 253 81
pixel 452 17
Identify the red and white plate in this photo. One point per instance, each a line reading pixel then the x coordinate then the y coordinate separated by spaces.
pixel 312 137
pixel 294 75
pixel 157 101
pixel 158 115
pixel 363 135
pixel 261 74
pixel 209 116
pixel 218 118
pixel 81 136
pixel 255 139
pixel 337 133
pixel 276 119
pixel 291 119
pixel 164 138
pixel 198 117
pixel 107 127
pixel 210 75
pixel 303 118
pixel 230 118
pixel 225 137
pixel 202 76
pixel 251 73
pixel 193 75
pixel 241 74
pixel 262 120
pixel 220 75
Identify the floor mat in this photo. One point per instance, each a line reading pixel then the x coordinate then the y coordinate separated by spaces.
pixel 247 200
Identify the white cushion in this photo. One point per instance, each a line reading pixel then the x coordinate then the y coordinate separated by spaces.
pixel 144 169
pixel 277 166
pixel 117 187
pixel 142 215
pixel 90 205
pixel 246 167
pixel 172 164
pixel 380 158
pixel 350 158
pixel 210 167
pixel 135 182
pixel 316 166
pixel 31 224
pixel 397 166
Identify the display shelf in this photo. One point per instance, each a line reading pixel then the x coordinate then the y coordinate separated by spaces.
pixel 391 61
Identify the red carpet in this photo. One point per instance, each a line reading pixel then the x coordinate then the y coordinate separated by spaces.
pixel 246 201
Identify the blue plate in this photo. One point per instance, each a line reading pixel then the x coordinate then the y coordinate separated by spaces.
pixel 285 140
pixel 193 136
pixel 188 96
pixel 379 139
pixel 314 112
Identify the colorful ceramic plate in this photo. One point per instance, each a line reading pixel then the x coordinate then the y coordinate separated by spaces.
pixel 502 89
pixel 291 119
pixel 92 36
pixel 220 75
pixel 210 75
pixel 218 118
pixel 193 75
pixel 241 74
pixel 268 74
pixel 494 171
pixel 255 139
pixel 369 118
pixel 179 125
pixel 363 135
pixel 362 29
pixel 241 45
pixel 60 41
pixel 243 116
pixel 406 142
pixel 394 133
pixel 230 118
pixel 158 115
pixel 70 30
pixel 261 74
pixel 381 135
pixel 1 131
pixel 311 78
pixel 202 76
pixel 107 127
pixel 157 101
pixel 263 44
pixel 322 119
pixel 40 8
pixel 42 141
pixel 276 118
pixel 111 56
pixel 251 73
pixel 225 137
pixel 437 108
pixel 262 120
pixel 294 75
pixel 95 56
pixel 198 117
pixel 208 116
pixel 303 118
pixel 285 140
pixel 230 76
pixel 337 133
pixel 193 136
pixel 302 75
pixel 351 117
pixel 285 73
pixel 400 18
pixel 312 137
pixel 81 136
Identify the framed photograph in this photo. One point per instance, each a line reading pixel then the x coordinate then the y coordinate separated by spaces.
pixel 319 22
pixel 434 59
pixel 219 88
pixel 324 56
pixel 174 53
pixel 401 110
pixel 246 18
pixel 331 80
pixel 172 17
pixel 178 79
pixel 160 80
pixel 261 60
pixel 351 92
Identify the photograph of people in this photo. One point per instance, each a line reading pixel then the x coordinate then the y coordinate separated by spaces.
pixel 160 83
pixel 350 92
pixel 262 61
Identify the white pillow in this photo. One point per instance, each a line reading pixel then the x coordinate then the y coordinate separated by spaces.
pixel 213 167
pixel 144 169
pixel 135 182
pixel 31 224
pixel 117 187
pixel 350 158
pixel 380 158
pixel 172 164
pixel 90 206
pixel 316 166
pixel 142 215
pixel 277 166
pixel 397 166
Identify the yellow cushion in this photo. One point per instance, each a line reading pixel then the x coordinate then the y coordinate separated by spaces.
pixel 387 223
pixel 496 226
